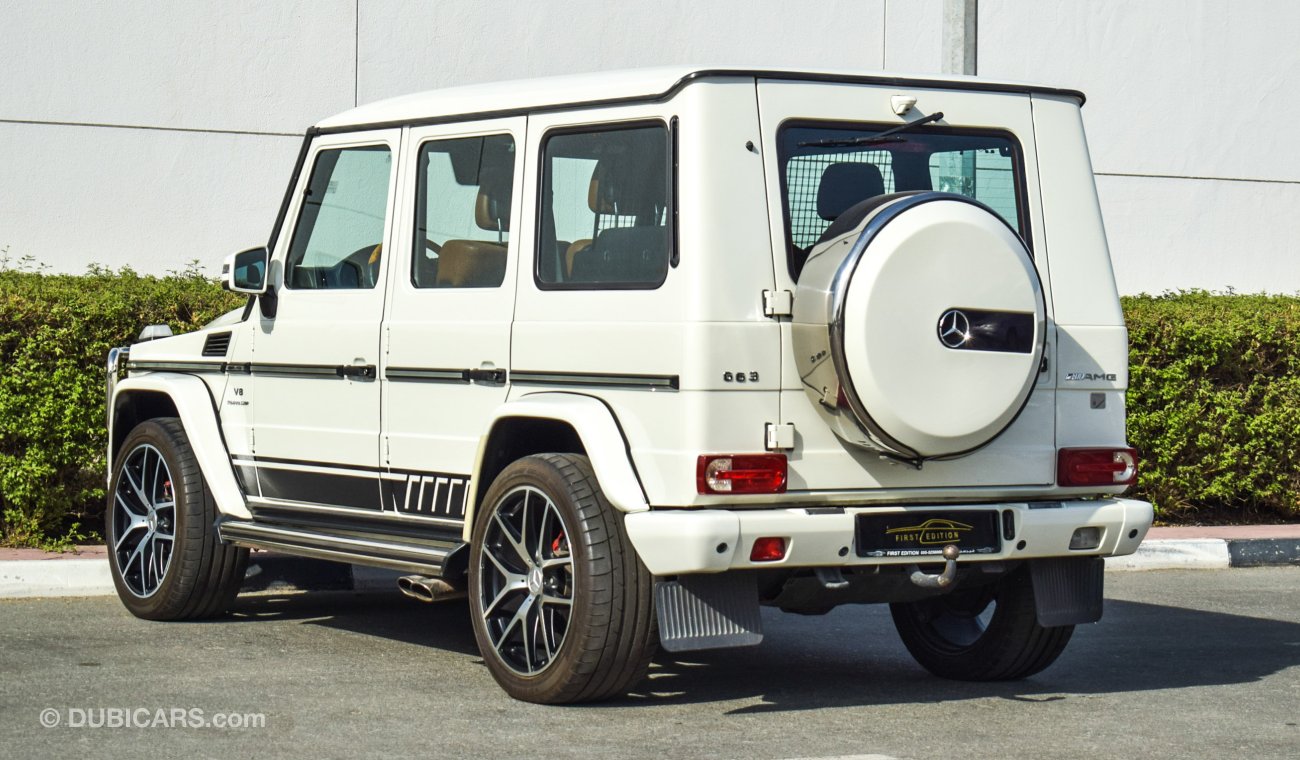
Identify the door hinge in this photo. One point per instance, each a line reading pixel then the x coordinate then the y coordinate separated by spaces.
pixel 778 303
pixel 779 436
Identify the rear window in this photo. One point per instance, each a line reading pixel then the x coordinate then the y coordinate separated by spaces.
pixel 606 209
pixel 820 182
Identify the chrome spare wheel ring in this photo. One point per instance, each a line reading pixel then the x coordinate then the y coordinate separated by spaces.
pixel 526 580
pixel 144 520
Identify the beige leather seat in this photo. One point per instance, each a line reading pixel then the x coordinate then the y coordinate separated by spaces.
pixel 607 194
pixel 480 263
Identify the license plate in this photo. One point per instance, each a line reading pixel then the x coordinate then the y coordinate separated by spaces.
pixel 920 534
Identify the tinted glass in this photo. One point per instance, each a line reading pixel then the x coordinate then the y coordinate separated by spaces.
pixel 338 240
pixel 605 209
pixel 464 195
pixel 819 182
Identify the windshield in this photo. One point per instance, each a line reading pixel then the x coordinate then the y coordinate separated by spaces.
pixel 823 174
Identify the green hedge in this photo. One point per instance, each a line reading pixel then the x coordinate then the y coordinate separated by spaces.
pixel 1214 404
pixel 55 331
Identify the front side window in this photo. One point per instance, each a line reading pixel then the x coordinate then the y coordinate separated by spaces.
pixel 464 189
pixel 820 181
pixel 338 242
pixel 605 216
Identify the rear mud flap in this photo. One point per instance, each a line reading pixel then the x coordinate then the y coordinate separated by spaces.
pixel 708 612
pixel 1067 591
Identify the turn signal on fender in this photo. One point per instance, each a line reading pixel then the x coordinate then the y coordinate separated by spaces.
pixel 740 473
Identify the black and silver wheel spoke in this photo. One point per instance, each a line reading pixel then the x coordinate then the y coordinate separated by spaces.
pixel 144 517
pixel 526 594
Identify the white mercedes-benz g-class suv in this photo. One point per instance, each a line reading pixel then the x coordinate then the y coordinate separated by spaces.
pixel 624 356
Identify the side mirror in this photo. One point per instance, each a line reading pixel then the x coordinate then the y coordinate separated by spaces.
pixel 245 272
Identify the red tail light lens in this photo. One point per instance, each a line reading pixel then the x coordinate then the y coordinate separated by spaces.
pixel 740 473
pixel 1096 467
pixel 768 549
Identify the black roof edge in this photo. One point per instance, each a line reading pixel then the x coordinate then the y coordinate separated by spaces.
pixel 791 76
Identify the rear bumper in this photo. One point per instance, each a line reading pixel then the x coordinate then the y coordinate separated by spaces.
pixel 686 541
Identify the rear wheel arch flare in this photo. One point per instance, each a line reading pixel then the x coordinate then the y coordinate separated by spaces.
pixel 512 438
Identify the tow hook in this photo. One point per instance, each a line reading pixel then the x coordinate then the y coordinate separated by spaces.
pixel 942 580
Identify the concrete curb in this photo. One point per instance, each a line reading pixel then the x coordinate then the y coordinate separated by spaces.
pixel 1209 554
pixel 65 577
pixel 269 572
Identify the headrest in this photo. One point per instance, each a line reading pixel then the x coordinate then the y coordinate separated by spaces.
pixel 492 209
pixel 846 184
pixel 628 185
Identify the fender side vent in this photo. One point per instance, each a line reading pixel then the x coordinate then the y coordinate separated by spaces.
pixel 217 344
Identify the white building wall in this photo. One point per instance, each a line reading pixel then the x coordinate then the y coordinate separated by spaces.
pixel 150 133
pixel 1189 114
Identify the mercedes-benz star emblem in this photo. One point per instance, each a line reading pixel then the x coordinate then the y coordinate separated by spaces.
pixel 954 328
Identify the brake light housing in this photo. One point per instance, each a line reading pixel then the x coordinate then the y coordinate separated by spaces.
pixel 1096 467
pixel 740 473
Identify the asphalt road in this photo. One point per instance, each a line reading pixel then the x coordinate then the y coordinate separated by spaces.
pixel 1184 664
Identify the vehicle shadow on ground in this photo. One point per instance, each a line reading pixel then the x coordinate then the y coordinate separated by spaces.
pixel 859 661
pixel 444 625
pixel 852 656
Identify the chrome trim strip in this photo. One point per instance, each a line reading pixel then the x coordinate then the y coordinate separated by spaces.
pixel 295 370
pixel 149 366
pixel 428 375
pixel 652 382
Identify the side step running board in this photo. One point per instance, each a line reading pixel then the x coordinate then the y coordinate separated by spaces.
pixel 425 556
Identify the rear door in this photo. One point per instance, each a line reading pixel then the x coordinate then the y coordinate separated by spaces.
pixel 447 330
pixel 794 114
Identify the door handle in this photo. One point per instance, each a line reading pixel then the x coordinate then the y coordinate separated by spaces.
pixel 356 370
pixel 497 376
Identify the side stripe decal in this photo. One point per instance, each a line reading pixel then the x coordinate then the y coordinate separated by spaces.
pixel 367 490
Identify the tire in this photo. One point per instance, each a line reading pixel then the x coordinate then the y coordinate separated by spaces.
pixel 567 616
pixel 166 561
pixel 957 635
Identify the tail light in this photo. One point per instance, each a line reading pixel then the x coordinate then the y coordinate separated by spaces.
pixel 768 549
pixel 1096 467
pixel 740 473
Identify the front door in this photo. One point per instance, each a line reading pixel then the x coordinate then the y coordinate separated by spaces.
pixel 316 397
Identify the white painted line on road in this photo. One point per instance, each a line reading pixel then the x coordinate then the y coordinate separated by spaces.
pixel 1175 554
pixel 850 757
pixel 55 577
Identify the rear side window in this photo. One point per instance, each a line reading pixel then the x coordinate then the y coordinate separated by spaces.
pixel 464 193
pixel 819 181
pixel 605 209
pixel 337 243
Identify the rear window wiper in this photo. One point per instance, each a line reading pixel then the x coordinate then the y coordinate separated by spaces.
pixel 887 136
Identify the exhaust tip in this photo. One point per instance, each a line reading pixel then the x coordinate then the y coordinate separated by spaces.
pixel 427 589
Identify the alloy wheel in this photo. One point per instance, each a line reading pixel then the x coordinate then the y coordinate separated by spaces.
pixel 527 589
pixel 144 520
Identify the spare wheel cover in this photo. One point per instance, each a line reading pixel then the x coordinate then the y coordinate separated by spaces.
pixel 936 326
